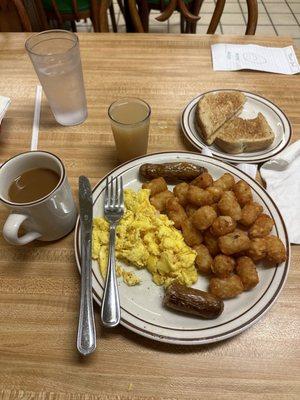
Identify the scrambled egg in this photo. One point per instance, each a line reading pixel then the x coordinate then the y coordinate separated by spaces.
pixel 146 239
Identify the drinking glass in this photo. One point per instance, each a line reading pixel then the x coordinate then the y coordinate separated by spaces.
pixel 130 119
pixel 56 59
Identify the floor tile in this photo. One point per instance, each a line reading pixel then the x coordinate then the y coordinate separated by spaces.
pixel 283 19
pixel 293 31
pixel 202 29
pixel 277 8
pixel 265 30
pixel 232 19
pixel 232 8
pixel 234 30
pixel 261 8
pixel 295 7
pixel 263 19
pixel 205 19
pixel 207 8
pixel 298 17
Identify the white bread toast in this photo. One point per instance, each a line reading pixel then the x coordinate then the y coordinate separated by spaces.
pixel 214 109
pixel 240 135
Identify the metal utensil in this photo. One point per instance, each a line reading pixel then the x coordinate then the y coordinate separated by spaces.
pixel 86 337
pixel 113 212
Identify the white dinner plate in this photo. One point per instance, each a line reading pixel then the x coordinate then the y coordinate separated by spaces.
pixel 141 306
pixel 254 104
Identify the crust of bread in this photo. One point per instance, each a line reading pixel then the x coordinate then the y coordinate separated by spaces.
pixel 245 135
pixel 214 109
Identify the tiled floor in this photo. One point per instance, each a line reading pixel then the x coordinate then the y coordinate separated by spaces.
pixel 276 17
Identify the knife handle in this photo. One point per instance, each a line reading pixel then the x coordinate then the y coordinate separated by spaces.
pixel 86 337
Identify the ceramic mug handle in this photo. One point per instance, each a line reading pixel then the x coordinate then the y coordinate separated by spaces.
pixel 11 229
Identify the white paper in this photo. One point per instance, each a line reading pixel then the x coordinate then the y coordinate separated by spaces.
pixel 233 57
pixel 4 104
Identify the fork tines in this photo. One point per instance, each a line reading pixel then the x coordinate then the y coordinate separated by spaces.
pixel 114 197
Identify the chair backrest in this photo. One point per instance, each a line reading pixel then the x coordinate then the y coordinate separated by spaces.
pixel 13 16
pixel 252 9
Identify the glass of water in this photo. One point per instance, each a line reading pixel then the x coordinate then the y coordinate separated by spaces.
pixel 56 59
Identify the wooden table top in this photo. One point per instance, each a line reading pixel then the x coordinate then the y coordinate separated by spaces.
pixel 39 286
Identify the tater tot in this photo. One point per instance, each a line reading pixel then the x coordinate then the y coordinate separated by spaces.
pixel 190 209
pixel 234 242
pixel 216 192
pixel 262 226
pixel 226 288
pixel 222 225
pixel 180 191
pixel 226 182
pixel 228 205
pixel 192 236
pixel 204 217
pixel 211 243
pixel 157 185
pixel 276 252
pixel 258 249
pixel 242 192
pixel 203 181
pixel 250 212
pixel 223 265
pixel 246 270
pixel 199 197
pixel 215 207
pixel 175 212
pixel 203 260
pixel 159 200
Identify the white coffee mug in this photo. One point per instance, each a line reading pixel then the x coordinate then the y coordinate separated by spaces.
pixel 49 218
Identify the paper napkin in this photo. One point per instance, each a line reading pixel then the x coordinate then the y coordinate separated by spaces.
pixel 4 104
pixel 282 177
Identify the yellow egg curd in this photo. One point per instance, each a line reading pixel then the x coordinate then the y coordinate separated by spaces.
pixel 146 239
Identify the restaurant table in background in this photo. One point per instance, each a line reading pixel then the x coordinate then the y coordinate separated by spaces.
pixel 39 286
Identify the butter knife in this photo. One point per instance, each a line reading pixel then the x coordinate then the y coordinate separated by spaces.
pixel 86 337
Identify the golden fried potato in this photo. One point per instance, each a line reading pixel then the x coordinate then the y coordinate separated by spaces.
pixel 157 185
pixel 203 181
pixel 222 225
pixel 211 243
pixel 180 191
pixel 234 242
pixel 159 200
pixel 228 205
pixel 246 270
pixel 203 260
pixel 199 197
pixel 192 236
pixel 216 192
pixel 204 217
pixel 226 288
pixel 190 209
pixel 258 249
pixel 223 265
pixel 242 192
pixel 262 226
pixel 276 252
pixel 250 212
pixel 215 207
pixel 175 212
pixel 225 183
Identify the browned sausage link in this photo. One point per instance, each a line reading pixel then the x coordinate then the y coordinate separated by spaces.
pixel 193 301
pixel 187 14
pixel 168 11
pixel 172 171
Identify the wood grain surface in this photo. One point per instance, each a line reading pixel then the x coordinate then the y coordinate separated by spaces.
pixel 39 283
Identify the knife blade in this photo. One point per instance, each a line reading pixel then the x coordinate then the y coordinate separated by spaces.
pixel 86 336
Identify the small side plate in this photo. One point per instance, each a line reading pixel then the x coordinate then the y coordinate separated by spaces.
pixel 276 118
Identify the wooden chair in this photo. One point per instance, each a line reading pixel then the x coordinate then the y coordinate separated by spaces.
pixel 189 15
pixel 74 10
pixel 13 16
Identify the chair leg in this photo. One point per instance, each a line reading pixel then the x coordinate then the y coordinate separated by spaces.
pixel 144 16
pixel 181 23
pixel 113 17
pixel 121 6
pixel 73 26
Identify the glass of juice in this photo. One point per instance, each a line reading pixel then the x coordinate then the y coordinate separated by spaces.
pixel 56 59
pixel 130 119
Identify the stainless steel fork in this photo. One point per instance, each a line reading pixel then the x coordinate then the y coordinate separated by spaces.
pixel 113 212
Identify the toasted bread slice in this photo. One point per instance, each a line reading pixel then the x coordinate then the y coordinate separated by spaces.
pixel 214 109
pixel 244 135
